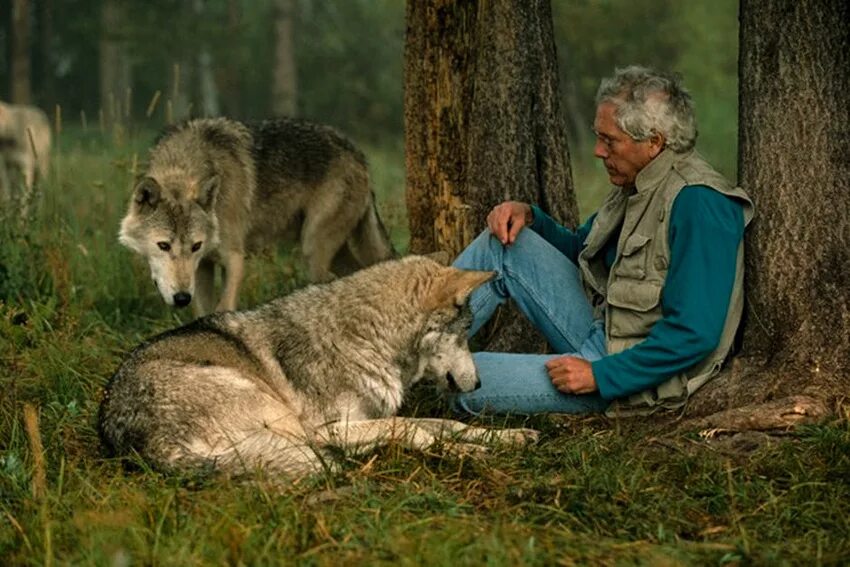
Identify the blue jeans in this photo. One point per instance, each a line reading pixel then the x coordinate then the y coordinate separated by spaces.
pixel 547 288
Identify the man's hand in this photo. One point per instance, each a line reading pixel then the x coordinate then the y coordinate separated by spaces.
pixel 507 219
pixel 571 375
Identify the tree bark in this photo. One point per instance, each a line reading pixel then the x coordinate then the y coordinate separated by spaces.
pixel 482 125
pixel 284 84
pixel 794 135
pixel 482 121
pixel 21 90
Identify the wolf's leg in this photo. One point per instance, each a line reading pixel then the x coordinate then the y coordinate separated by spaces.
pixel 415 433
pixel 328 222
pixel 369 242
pixel 273 452
pixel 373 433
pixel 204 288
pixel 234 266
pixel 442 428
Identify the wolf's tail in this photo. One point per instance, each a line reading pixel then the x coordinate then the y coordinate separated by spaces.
pixel 369 242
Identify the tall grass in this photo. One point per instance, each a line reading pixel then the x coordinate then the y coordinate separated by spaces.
pixel 72 302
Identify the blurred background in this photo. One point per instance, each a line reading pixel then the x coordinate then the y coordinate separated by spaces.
pixel 115 71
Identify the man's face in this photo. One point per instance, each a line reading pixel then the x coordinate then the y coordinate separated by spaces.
pixel 623 157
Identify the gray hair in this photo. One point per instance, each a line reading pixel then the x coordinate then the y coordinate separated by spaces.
pixel 649 102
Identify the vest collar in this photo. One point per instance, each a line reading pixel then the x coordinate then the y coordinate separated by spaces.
pixel 655 171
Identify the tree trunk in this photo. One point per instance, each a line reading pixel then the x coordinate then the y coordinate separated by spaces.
pixel 21 66
pixel 793 161
pixel 207 88
pixel 183 72
pixel 45 41
pixel 482 125
pixel 284 84
pixel 230 73
pixel 482 122
pixel 115 71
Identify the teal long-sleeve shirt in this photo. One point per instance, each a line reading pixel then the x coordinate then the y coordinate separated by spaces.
pixel 705 230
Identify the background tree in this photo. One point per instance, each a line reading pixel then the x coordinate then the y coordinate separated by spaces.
pixel 115 70
pixel 21 60
pixel 794 141
pixel 284 87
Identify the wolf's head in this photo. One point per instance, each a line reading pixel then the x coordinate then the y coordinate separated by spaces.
pixel 173 224
pixel 444 353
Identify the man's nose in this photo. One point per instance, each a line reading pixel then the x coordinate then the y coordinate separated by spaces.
pixel 599 150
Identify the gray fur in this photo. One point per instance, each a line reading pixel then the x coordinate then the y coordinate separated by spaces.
pixel 229 188
pixel 326 366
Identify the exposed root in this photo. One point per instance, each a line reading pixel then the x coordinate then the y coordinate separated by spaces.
pixel 782 414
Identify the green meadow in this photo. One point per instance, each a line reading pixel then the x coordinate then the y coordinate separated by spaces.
pixel 592 491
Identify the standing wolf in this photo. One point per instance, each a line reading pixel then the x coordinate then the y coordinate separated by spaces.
pixel 277 386
pixel 25 141
pixel 216 188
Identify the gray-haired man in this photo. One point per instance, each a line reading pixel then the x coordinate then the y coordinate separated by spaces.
pixel 642 300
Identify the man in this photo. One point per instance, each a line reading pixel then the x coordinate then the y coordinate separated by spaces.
pixel 644 299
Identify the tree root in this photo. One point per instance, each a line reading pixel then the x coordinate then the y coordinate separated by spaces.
pixel 775 415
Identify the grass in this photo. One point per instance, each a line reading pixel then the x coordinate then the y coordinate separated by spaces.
pixel 593 491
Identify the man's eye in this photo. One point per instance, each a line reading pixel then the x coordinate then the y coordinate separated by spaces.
pixel 164 246
pixel 196 246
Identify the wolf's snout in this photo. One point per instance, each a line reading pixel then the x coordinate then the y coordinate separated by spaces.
pixel 182 299
pixel 453 386
pixel 450 379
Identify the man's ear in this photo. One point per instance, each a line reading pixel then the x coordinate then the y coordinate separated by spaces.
pixel 656 143
pixel 208 192
pixel 453 287
pixel 147 194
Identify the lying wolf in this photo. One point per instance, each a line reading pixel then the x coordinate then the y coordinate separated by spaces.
pixel 24 149
pixel 277 386
pixel 216 188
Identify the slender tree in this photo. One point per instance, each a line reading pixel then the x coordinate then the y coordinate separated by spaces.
pixel 115 70
pixel 794 140
pixel 20 56
pixel 284 87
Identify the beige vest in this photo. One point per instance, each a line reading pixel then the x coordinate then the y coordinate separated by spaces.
pixel 629 295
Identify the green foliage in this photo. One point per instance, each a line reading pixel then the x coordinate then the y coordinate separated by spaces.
pixel 591 492
pixel 358 45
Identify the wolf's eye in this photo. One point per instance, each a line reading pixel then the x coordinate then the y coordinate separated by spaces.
pixel 164 246
pixel 196 246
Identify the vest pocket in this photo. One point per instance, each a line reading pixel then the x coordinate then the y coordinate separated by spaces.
pixel 634 308
pixel 633 257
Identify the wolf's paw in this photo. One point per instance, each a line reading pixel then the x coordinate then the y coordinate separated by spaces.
pixel 518 436
pixel 461 449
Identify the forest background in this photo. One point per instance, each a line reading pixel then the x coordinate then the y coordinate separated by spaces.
pixel 341 63
pixel 110 74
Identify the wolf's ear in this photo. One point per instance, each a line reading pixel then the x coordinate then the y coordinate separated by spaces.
pixel 452 287
pixel 440 256
pixel 147 193
pixel 208 192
